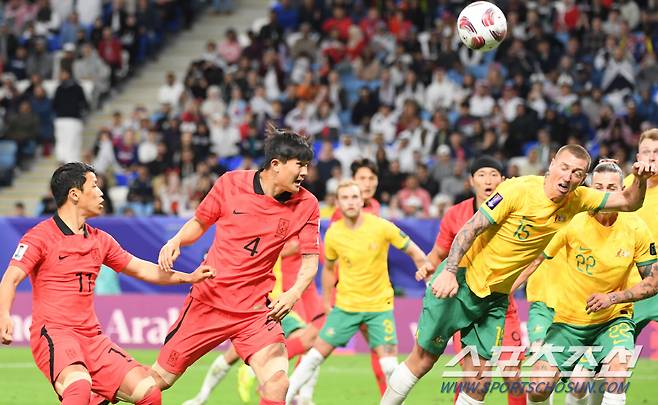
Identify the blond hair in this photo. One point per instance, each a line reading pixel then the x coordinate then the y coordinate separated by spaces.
pixel 347 183
pixel 649 134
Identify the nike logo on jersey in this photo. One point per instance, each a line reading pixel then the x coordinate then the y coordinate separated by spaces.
pixel 584 249
pixel 63 257
pixel 236 212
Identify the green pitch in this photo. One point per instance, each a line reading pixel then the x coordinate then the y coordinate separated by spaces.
pixel 343 380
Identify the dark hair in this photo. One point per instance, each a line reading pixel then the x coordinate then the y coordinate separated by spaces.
pixel 284 144
pixel 361 163
pixel 66 177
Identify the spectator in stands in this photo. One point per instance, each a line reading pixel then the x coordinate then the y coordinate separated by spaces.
pixel 69 105
pixel 140 193
pixel 23 128
pixel 90 67
pixel 68 31
pixel 414 200
pixel 170 92
pixel 109 49
pixel 42 107
pixel 18 64
pixel 229 47
pixel 19 209
pixel 40 61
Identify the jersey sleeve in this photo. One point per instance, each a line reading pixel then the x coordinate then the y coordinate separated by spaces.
pixel 558 241
pixel 116 257
pixel 446 231
pixel 210 208
pixel 508 197
pixel 395 235
pixel 29 253
pixel 309 235
pixel 590 199
pixel 645 247
pixel 330 252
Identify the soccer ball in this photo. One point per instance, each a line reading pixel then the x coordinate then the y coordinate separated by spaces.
pixel 482 26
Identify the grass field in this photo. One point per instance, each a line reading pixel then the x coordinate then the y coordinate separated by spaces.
pixel 343 380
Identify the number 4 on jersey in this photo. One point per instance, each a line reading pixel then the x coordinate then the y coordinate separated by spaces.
pixel 252 247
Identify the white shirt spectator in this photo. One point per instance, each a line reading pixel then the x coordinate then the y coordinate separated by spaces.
pixel 88 10
pixel 170 94
pixel 441 93
pixel 213 105
pixel 299 118
pixel 385 124
pixel 224 137
pixel 481 104
pixel 346 153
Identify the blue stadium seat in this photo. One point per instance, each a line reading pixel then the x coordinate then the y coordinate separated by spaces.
pixel 7 154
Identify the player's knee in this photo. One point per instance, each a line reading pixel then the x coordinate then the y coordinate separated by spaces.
pixel 421 361
pixel 153 396
pixel 276 386
pixel 77 392
pixel 540 389
pixel 163 379
pixel 308 338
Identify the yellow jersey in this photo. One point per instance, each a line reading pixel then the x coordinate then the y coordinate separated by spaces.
pixel 523 222
pixel 599 259
pixel 362 254
pixel 544 284
pixel 649 214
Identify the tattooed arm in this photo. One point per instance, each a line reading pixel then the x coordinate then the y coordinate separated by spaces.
pixel 464 239
pixel 445 284
pixel 648 287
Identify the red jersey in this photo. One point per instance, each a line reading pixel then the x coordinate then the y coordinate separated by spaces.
pixel 63 267
pixel 452 222
pixel 251 229
pixel 371 207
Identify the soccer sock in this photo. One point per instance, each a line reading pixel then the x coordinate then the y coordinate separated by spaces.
pixel 465 399
pixel 307 390
pixel 215 374
pixel 264 401
pixel 310 362
pixel 596 396
pixel 515 399
pixel 388 365
pixel 610 398
pixel 78 393
pixel 380 375
pixel 399 384
pixel 572 400
pixel 295 347
pixel 458 389
pixel 154 397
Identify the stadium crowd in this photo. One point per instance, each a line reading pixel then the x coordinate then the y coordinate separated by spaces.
pixel 60 59
pixel 393 83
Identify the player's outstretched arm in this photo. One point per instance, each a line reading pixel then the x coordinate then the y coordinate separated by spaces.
pixel 424 267
pixel 284 302
pixel 445 284
pixel 10 281
pixel 188 234
pixel 152 273
pixel 648 287
pixel 632 197
pixel 527 272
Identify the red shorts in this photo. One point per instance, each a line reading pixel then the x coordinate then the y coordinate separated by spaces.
pixel 511 333
pixel 56 348
pixel 200 328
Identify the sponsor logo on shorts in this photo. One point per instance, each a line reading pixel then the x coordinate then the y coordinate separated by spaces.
pixel 331 332
pixel 494 200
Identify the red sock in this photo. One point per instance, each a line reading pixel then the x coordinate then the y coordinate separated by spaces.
pixel 295 347
pixel 264 401
pixel 78 393
pixel 379 374
pixel 515 399
pixel 154 397
pixel 457 390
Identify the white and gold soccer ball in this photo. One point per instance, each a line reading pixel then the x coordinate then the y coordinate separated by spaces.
pixel 482 26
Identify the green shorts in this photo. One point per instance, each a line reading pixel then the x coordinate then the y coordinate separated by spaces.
pixel 481 321
pixel 341 325
pixel 291 323
pixel 540 318
pixel 645 311
pixel 615 333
